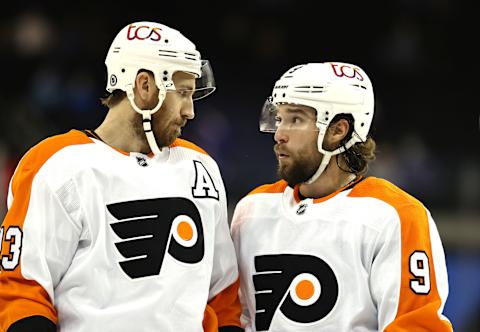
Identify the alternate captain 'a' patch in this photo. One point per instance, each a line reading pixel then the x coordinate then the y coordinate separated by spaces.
pixel 204 186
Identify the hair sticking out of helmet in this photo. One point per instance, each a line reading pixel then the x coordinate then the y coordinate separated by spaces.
pixel 331 88
pixel 161 50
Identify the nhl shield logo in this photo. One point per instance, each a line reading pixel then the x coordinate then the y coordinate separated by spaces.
pixel 301 209
pixel 142 161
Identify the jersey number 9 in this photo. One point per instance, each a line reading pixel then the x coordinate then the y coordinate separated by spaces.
pixel 420 269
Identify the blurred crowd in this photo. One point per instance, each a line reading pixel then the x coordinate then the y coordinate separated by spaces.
pixel 426 130
pixel 56 75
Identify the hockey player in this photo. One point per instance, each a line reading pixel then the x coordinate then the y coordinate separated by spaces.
pixel 326 248
pixel 124 228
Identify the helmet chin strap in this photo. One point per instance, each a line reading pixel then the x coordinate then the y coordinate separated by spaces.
pixel 327 155
pixel 147 116
pixel 325 160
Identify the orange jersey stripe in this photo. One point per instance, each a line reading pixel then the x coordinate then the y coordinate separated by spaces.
pixel 186 144
pixel 20 298
pixel 210 320
pixel 224 309
pixel 415 312
pixel 272 188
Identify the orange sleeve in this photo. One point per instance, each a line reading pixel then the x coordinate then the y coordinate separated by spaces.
pixel 416 312
pixel 19 297
pixel 223 310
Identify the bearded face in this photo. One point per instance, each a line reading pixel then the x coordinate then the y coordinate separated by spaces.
pixel 297 165
pixel 176 110
pixel 296 149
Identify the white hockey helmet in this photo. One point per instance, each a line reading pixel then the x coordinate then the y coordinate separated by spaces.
pixel 161 50
pixel 330 88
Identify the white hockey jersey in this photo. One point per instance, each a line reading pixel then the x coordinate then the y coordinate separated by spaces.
pixel 96 239
pixel 366 258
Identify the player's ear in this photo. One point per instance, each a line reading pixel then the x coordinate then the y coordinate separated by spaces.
pixel 336 132
pixel 144 83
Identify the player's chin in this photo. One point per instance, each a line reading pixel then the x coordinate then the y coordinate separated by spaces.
pixel 170 141
pixel 166 140
pixel 283 163
pixel 176 134
pixel 282 170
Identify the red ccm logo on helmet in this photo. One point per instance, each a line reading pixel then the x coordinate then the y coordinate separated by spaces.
pixel 347 71
pixel 143 32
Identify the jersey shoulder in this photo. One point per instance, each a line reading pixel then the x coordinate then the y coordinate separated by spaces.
pixel 255 197
pixel 183 143
pixel 408 208
pixel 270 188
pixel 39 154
pixel 384 190
pixel 50 145
pixel 186 150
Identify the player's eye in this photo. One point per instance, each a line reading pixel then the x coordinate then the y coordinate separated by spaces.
pixel 185 92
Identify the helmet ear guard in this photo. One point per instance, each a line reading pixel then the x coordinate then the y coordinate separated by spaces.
pixel 331 88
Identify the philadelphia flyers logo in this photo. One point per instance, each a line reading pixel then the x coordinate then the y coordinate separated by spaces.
pixel 150 228
pixel 302 287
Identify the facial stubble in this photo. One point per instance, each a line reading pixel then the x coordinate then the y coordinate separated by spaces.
pixel 300 166
pixel 163 133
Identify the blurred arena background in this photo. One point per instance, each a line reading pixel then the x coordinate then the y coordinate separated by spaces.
pixel 418 53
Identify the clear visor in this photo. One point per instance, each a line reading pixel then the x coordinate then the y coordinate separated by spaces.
pixel 205 84
pixel 286 117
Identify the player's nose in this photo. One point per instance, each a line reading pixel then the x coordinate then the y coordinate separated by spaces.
pixel 280 136
pixel 188 111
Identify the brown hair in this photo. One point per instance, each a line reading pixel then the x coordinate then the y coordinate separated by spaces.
pixel 360 154
pixel 113 98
